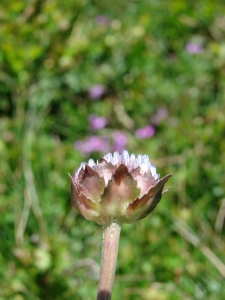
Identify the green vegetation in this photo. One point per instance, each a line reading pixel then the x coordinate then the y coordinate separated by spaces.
pixel 158 65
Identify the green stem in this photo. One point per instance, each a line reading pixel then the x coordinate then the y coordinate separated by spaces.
pixel 111 236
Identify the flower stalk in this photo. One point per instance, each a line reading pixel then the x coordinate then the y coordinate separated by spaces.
pixel 110 244
pixel 118 189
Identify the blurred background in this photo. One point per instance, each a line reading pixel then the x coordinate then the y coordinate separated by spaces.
pixel 79 79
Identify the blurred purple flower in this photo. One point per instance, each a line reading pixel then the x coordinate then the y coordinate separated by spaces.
pixel 120 140
pixel 93 144
pixel 102 20
pixel 145 132
pixel 194 48
pixel 160 115
pixel 96 91
pixel 97 122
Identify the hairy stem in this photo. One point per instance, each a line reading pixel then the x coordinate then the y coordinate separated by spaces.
pixel 111 236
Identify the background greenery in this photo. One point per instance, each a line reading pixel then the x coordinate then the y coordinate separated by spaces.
pixel 52 53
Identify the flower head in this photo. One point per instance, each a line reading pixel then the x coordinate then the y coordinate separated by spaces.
pixel 160 115
pixel 194 48
pixel 145 132
pixel 96 91
pixel 120 140
pixel 102 20
pixel 120 187
pixel 97 122
pixel 93 143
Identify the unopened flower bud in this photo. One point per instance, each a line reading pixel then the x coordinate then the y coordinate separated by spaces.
pixel 120 187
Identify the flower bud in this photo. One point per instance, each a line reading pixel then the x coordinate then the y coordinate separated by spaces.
pixel 120 187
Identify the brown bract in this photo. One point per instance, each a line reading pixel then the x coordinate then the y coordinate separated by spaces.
pixel 120 187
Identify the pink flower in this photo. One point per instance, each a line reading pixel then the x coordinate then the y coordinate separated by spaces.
pixel 120 140
pixel 194 48
pixel 119 187
pixel 96 91
pixel 145 132
pixel 93 144
pixel 102 20
pixel 97 122
pixel 160 115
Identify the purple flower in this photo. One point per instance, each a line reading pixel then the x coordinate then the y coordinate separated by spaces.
pixel 145 132
pixel 160 115
pixel 97 122
pixel 194 48
pixel 102 20
pixel 96 91
pixel 93 144
pixel 120 140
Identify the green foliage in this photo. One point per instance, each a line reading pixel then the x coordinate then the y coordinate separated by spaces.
pixel 51 54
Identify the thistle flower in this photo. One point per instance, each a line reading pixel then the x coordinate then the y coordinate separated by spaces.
pixel 120 187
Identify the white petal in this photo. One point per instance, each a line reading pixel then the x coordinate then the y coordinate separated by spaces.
pixel 145 159
pixel 108 157
pixel 91 163
pixel 116 158
pixel 133 162
pixel 153 171
pixel 144 168
pixel 125 158
pixel 139 159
